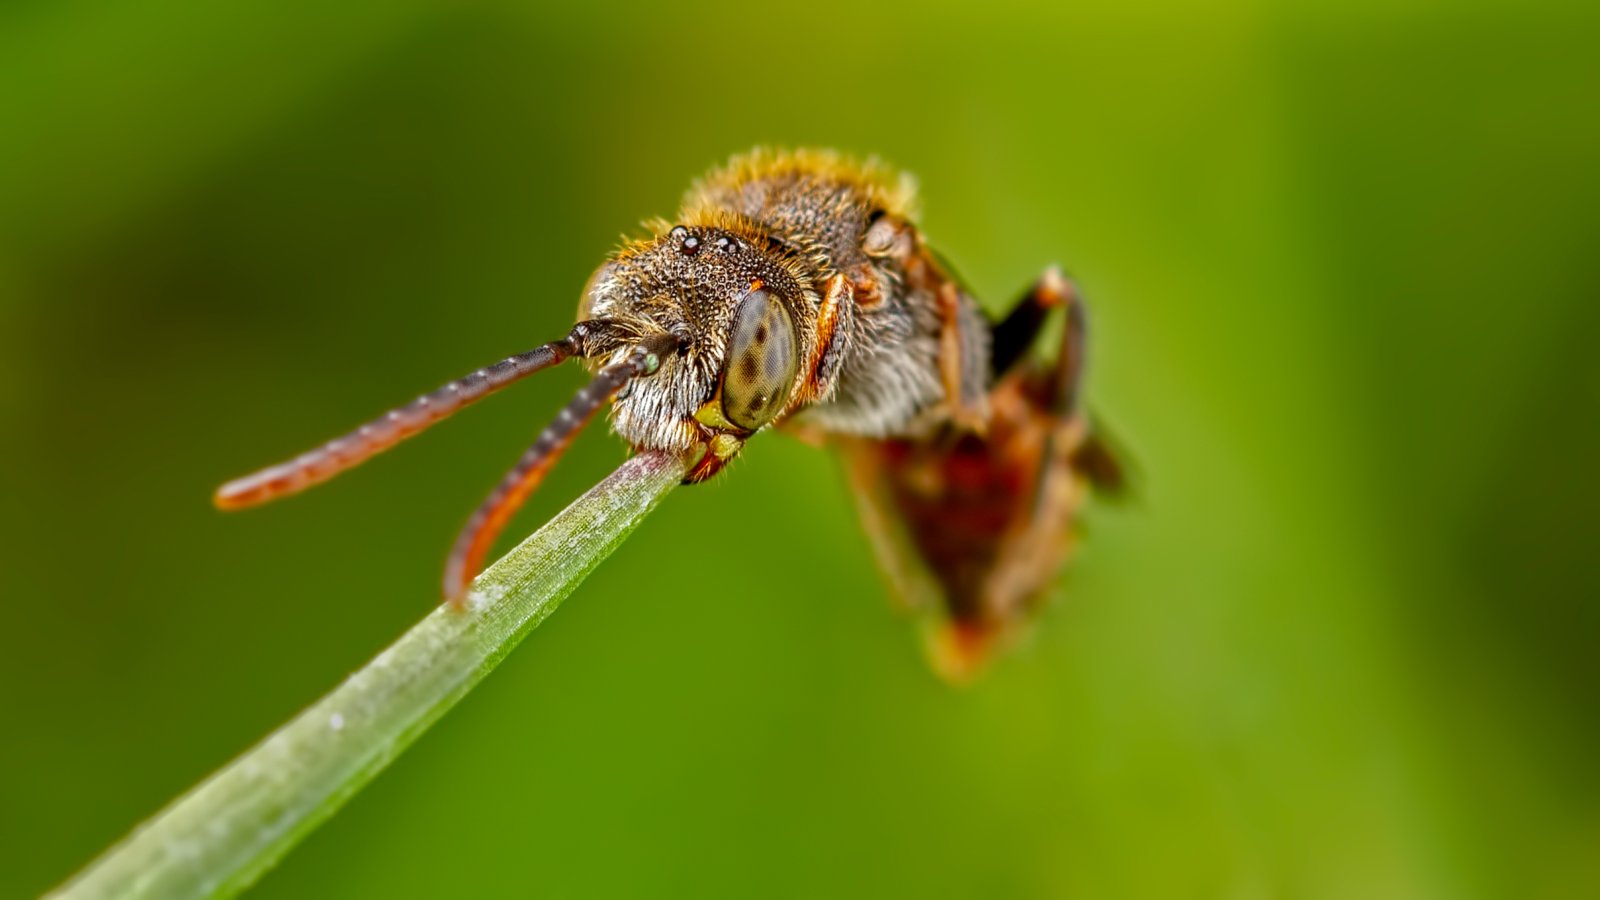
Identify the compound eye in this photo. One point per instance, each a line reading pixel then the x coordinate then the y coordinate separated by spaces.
pixel 762 360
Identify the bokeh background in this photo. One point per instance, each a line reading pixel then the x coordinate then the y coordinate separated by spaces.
pixel 1344 275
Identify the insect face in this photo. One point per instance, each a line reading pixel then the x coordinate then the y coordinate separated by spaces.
pixel 745 319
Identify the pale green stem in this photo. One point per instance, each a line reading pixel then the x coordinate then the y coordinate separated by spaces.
pixel 221 836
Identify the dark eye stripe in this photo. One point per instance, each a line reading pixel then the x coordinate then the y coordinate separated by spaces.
pixel 762 361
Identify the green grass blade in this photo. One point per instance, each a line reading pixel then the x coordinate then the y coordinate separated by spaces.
pixel 223 834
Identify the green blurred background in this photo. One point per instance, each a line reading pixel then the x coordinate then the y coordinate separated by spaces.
pixel 1344 277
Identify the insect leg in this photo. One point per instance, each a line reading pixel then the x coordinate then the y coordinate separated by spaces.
pixel 1089 452
pixel 1014 335
pixel 964 395
pixel 1068 375
pixel 834 319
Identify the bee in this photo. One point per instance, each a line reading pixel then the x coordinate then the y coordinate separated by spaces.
pixel 795 291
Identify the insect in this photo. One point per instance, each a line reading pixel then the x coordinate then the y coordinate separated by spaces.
pixel 795 291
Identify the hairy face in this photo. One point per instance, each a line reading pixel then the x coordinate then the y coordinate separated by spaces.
pixel 745 319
